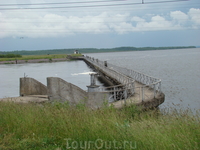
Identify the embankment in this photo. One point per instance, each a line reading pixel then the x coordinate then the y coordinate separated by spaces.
pixel 34 61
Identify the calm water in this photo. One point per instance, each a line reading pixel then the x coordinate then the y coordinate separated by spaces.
pixel 76 72
pixel 178 69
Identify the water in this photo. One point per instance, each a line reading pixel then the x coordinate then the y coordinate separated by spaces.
pixel 179 71
pixel 76 72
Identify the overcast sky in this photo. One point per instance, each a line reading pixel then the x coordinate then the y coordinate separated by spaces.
pixel 98 23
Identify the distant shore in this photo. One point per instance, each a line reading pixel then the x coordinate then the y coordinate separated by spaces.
pixel 90 50
pixel 39 58
pixel 34 61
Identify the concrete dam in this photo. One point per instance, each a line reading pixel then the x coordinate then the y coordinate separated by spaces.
pixel 126 87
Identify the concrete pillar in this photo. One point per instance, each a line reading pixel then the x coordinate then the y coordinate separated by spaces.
pixel 105 63
pixel 93 87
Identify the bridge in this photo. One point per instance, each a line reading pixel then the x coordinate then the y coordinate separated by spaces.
pixel 131 86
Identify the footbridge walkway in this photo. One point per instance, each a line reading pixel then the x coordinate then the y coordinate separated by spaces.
pixel 131 86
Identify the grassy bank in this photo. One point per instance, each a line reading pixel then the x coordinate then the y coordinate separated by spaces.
pixel 59 127
pixel 31 57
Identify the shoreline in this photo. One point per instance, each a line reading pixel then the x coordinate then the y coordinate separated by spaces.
pixel 34 61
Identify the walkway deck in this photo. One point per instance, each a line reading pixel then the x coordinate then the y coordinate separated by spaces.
pixel 149 99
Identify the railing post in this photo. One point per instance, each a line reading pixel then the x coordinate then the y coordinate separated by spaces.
pixel 115 94
pixel 142 93
pixel 125 96
pixel 160 86
pixel 132 88
pixel 105 63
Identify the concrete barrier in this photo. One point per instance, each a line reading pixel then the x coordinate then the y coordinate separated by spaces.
pixel 61 91
pixel 30 86
pixel 97 99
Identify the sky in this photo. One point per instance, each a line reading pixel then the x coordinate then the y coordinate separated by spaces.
pixel 62 24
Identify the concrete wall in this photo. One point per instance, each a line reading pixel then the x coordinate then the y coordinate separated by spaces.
pixel 30 86
pixel 59 90
pixel 153 102
pixel 62 91
pixel 97 99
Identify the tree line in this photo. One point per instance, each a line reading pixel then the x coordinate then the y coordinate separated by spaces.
pixel 10 55
pixel 91 50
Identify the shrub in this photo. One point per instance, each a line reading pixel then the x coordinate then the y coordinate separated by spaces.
pixel 10 55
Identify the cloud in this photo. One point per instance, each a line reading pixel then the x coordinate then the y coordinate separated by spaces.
pixel 137 19
pixel 34 24
pixel 157 23
pixel 178 15
pixel 194 15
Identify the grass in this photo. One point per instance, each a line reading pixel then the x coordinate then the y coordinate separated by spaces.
pixel 58 126
pixel 30 57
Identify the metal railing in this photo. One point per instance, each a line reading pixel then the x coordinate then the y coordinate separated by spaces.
pixel 139 77
pixel 127 77
pixel 119 92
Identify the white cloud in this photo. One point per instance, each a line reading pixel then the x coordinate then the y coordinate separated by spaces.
pixel 178 15
pixel 179 19
pixel 157 23
pixel 137 19
pixel 194 15
pixel 29 23
pixel 121 28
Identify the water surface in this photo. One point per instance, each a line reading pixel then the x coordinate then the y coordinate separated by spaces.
pixel 178 69
pixel 76 72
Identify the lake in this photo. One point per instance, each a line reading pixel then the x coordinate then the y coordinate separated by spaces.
pixel 178 69
pixel 76 72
